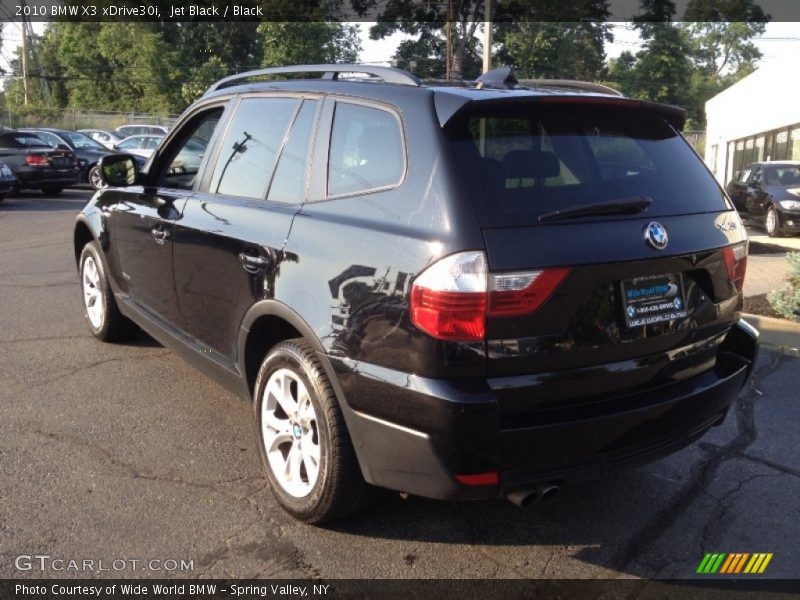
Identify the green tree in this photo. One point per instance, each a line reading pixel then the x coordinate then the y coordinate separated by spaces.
pixel 436 26
pixel 555 50
pixel 297 43
pixel 662 71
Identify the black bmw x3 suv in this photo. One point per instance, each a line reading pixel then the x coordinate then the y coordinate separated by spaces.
pixel 460 292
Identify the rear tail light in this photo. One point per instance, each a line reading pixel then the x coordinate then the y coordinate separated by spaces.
pixel 736 263
pixel 449 299
pixel 515 294
pixel 36 160
pixel 452 298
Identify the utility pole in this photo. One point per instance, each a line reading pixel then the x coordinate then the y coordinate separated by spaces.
pixel 448 69
pixel 487 35
pixel 24 30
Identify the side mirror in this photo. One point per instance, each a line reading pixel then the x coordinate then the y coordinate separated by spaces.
pixel 118 170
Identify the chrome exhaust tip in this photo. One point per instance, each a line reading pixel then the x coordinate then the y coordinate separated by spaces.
pixel 523 498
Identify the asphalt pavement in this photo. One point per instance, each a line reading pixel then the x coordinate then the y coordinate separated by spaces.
pixel 125 453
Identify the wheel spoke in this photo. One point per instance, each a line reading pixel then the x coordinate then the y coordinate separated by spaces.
pixel 282 392
pixel 310 452
pixel 293 461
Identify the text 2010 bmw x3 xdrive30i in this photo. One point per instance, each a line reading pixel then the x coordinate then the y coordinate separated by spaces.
pixel 457 292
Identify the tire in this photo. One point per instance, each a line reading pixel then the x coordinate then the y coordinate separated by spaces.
pixel 100 308
pixel 2 197
pixel 15 189
pixel 93 177
pixel 52 190
pixel 772 223
pixel 295 439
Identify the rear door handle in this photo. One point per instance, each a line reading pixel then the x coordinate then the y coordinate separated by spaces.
pixel 253 264
pixel 160 235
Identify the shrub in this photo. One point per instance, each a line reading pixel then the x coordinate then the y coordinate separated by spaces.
pixel 786 301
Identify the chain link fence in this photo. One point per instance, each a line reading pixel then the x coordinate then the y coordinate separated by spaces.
pixel 79 119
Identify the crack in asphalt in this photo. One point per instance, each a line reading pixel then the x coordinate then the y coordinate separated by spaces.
pixel 723 506
pixel 138 473
pixel 475 544
pixel 702 475
pixel 716 449
pixel 77 370
pixel 263 551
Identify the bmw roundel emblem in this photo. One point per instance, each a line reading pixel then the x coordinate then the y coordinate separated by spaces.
pixel 655 234
pixel 631 312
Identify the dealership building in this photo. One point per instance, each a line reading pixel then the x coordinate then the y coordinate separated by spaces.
pixel 757 118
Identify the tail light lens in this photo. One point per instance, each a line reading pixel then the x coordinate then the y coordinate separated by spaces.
pixel 516 294
pixel 452 298
pixel 36 160
pixel 736 263
pixel 449 299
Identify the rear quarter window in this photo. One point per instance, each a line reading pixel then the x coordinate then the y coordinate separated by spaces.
pixel 366 150
pixel 522 161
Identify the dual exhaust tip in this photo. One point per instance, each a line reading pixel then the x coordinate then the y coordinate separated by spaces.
pixel 524 498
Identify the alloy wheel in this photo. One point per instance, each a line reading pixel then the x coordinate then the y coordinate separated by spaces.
pixel 92 294
pixel 290 433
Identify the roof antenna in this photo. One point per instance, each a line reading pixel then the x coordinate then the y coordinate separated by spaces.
pixel 502 78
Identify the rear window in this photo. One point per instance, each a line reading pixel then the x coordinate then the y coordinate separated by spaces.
pixel 21 140
pixel 523 161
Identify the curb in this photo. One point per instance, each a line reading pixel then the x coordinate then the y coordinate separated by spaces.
pixel 780 334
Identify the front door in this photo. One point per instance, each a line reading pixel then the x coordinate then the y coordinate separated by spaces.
pixel 145 218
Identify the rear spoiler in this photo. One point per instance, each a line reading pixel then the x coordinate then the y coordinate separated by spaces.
pixel 448 105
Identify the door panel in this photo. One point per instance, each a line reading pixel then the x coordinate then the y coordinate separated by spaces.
pixel 142 229
pixel 229 244
pixel 227 255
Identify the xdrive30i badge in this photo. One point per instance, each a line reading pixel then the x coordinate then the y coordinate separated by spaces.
pixel 655 235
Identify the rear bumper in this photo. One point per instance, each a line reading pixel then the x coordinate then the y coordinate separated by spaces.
pixel 414 435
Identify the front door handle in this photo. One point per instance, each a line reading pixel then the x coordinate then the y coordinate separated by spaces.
pixel 160 235
pixel 253 264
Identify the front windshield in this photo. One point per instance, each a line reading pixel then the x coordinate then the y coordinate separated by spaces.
pixel 81 140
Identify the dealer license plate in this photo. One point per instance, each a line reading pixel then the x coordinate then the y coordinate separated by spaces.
pixel 655 299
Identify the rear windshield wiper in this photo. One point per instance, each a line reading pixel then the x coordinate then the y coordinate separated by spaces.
pixel 628 206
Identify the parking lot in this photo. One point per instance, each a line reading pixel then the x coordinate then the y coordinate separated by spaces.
pixel 123 452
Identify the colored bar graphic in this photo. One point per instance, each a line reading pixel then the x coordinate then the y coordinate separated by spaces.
pixel 727 564
pixel 734 563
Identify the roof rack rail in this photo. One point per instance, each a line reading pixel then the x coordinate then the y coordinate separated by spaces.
pixel 585 86
pixel 387 74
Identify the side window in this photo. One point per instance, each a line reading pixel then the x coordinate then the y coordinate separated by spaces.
pixel 130 144
pixel 756 178
pixel 150 143
pixel 251 146
pixel 51 139
pixel 744 175
pixel 182 160
pixel 289 182
pixel 366 150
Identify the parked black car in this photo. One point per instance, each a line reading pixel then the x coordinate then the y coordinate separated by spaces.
pixel 87 150
pixel 7 181
pixel 769 192
pixel 457 292
pixel 36 165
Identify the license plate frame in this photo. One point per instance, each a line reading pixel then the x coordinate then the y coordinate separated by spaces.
pixel 653 299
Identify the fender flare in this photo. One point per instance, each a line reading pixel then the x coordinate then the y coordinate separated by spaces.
pixel 275 308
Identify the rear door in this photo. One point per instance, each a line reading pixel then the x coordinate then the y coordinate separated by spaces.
pixel 597 293
pixel 229 243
